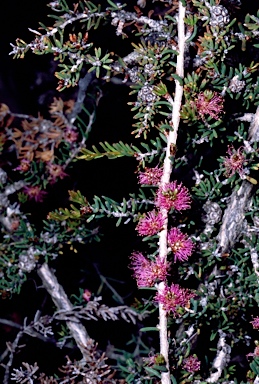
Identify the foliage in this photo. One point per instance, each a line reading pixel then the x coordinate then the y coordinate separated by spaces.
pixel 194 103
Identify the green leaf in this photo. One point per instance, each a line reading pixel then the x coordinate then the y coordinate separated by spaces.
pixel 255 366
pixel 112 4
pixel 153 372
pixel 213 336
pixel 178 78
pixel 160 368
pixel 148 329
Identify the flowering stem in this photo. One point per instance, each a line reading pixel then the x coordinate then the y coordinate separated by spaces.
pixel 172 137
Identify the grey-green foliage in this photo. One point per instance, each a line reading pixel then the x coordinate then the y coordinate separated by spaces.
pixel 225 282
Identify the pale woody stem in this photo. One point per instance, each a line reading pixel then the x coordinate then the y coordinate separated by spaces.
pixel 172 137
pixel 62 302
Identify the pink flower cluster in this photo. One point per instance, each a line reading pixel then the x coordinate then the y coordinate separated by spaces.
pixel 87 295
pixel 181 245
pixel 151 176
pixel 150 224
pixel 148 272
pixel 191 364
pixel 56 171
pixel 70 135
pixel 24 166
pixel 255 353
pixel 255 323
pixel 35 193
pixel 211 105
pixel 234 161
pixel 173 195
pixel 174 298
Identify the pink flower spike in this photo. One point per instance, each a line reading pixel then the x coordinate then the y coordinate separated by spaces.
pixel 191 364
pixel 35 193
pixel 180 244
pixel 148 272
pixel 234 163
pixel 173 195
pixel 174 298
pixel 151 176
pixel 150 224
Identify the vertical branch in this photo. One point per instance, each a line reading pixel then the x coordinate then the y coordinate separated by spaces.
pixel 234 216
pixel 172 138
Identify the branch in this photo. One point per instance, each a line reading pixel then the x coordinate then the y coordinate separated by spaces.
pixel 11 323
pixel 83 84
pixel 36 328
pixel 234 215
pixel 254 128
pixel 255 262
pixel 62 302
pixel 172 138
pixel 233 218
pixel 94 310
pixel 12 350
pixel 222 358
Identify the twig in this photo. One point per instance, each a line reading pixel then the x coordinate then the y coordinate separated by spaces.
pixel 222 358
pixel 94 310
pixel 82 89
pixel 77 109
pixel 11 323
pixel 108 285
pixel 62 302
pixel 172 137
pixel 254 127
pixel 13 347
pixel 76 151
pixel 233 218
pixel 24 329
pixel 255 262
